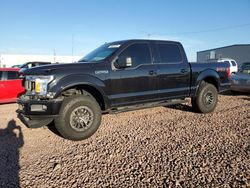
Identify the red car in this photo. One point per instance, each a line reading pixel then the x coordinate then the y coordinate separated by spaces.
pixel 10 85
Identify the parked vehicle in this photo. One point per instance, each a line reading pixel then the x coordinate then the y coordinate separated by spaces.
pixel 117 77
pixel 240 82
pixel 245 65
pixel 10 85
pixel 233 64
pixel 31 64
pixel 16 66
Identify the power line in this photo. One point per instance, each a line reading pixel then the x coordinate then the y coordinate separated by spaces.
pixel 149 34
pixel 216 29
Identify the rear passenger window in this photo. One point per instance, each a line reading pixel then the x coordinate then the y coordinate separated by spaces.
pixel 233 63
pixel 169 53
pixel 139 54
pixel 12 75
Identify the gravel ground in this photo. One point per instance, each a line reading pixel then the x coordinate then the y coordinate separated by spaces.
pixel 157 147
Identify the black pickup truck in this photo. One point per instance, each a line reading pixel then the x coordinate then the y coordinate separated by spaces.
pixel 116 77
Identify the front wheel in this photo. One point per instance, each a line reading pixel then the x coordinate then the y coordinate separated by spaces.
pixel 79 118
pixel 206 98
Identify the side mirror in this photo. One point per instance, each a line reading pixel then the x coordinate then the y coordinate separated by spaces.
pixel 123 62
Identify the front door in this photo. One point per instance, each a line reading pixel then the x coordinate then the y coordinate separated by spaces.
pixel 137 83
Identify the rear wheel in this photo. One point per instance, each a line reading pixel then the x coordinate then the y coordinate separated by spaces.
pixel 79 118
pixel 206 98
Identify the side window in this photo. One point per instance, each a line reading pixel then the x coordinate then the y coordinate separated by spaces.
pixel 246 70
pixel 1 73
pixel 12 75
pixel 139 54
pixel 169 53
pixel 233 63
pixel 29 65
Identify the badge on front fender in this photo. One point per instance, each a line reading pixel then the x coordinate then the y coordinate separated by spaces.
pixel 101 72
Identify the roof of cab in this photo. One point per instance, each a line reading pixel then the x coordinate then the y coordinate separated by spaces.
pixel 143 40
pixel 9 69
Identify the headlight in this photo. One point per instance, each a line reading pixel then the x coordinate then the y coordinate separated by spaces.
pixel 38 84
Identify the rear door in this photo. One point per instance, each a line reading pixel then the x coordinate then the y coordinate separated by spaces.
pixel 173 70
pixel 137 83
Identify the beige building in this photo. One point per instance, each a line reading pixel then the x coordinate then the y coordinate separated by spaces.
pixel 8 60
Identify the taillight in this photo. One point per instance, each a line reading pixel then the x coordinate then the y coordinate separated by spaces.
pixel 228 73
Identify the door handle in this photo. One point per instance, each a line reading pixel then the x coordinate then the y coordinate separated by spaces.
pixel 152 73
pixel 183 71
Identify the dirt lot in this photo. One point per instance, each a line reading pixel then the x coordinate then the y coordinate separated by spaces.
pixel 158 147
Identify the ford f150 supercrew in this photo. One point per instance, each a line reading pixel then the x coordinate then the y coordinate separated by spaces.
pixel 116 77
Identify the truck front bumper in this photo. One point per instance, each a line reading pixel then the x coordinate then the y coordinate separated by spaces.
pixel 38 113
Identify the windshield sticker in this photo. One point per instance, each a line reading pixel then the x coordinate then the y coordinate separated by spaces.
pixel 114 46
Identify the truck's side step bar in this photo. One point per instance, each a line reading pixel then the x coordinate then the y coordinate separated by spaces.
pixel 148 105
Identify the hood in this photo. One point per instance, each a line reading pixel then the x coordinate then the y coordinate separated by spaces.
pixel 52 68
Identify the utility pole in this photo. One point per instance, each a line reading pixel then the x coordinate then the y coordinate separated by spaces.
pixel 148 34
pixel 54 55
pixel 72 50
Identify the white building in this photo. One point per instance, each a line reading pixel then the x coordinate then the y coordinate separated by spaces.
pixel 8 60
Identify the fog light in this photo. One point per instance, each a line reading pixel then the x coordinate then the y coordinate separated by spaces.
pixel 38 108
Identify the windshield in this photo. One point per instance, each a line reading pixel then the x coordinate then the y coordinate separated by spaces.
pixel 245 69
pixel 101 53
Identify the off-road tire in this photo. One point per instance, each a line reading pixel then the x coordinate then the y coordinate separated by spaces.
pixel 206 98
pixel 64 123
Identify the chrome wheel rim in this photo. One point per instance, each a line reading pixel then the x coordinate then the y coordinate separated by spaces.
pixel 81 118
pixel 209 98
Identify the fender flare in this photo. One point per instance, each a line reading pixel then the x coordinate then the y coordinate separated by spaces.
pixel 77 80
pixel 208 74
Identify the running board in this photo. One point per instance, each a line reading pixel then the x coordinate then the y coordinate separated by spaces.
pixel 147 105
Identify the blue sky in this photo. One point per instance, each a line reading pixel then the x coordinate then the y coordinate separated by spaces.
pixel 39 27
